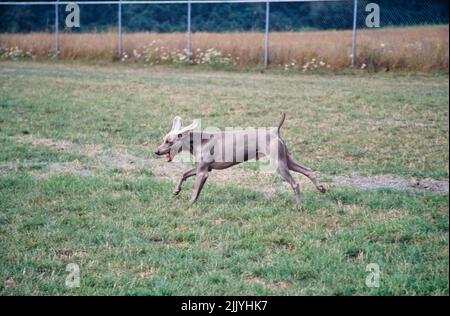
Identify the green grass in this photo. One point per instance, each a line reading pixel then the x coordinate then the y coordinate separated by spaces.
pixel 335 124
pixel 130 236
pixel 18 152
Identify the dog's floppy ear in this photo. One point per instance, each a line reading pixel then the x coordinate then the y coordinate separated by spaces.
pixel 194 125
pixel 177 123
pixel 189 128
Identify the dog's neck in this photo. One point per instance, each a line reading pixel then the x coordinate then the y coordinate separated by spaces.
pixel 194 141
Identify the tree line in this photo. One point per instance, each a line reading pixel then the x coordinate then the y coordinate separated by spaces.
pixel 226 17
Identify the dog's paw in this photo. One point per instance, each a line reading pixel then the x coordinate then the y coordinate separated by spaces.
pixel 322 188
pixel 175 192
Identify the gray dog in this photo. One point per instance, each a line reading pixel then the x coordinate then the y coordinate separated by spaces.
pixel 221 150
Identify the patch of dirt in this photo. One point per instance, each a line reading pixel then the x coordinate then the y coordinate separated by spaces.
pixel 430 185
pixel 44 169
pixel 279 285
pixel 390 181
pixel 9 283
pixel 146 272
pixel 262 179
pixel 63 145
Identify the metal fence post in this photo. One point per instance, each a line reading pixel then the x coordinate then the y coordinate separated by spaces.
pixel 189 43
pixel 355 12
pixel 119 26
pixel 57 47
pixel 266 36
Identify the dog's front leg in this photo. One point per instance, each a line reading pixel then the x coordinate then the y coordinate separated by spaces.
pixel 202 175
pixel 183 178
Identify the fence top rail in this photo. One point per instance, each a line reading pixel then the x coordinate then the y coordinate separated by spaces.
pixel 157 2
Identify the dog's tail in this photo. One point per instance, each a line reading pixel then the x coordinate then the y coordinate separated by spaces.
pixel 283 116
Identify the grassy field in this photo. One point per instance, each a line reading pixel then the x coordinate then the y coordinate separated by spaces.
pixel 79 183
pixel 422 49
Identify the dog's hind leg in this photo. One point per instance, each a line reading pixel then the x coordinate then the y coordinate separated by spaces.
pixel 283 170
pixel 278 160
pixel 295 166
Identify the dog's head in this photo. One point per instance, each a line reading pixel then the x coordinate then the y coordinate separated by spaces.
pixel 173 141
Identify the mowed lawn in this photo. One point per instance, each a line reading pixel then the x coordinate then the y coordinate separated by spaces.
pixel 130 236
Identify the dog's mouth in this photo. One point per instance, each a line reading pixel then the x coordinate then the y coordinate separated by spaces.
pixel 172 153
pixel 169 156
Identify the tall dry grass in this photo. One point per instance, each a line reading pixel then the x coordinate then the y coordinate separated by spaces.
pixel 411 49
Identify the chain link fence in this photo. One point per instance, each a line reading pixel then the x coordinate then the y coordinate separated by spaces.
pixel 301 35
pixel 414 37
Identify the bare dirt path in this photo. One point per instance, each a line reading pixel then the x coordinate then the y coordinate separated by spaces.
pixel 101 159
